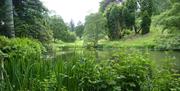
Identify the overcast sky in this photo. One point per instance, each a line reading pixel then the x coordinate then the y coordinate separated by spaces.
pixel 72 9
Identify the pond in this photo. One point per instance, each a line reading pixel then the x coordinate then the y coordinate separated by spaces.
pixel 160 57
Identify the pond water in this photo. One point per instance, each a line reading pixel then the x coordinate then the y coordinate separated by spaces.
pixel 162 56
pixel 104 54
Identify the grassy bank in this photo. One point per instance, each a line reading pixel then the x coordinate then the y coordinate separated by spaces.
pixel 155 40
pixel 133 41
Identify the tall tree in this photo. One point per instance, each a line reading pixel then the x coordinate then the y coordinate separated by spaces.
pixel 79 29
pixel 104 4
pixel 59 28
pixel 9 21
pixel 72 26
pixel 129 13
pixel 146 13
pixel 30 20
pixel 95 28
pixel 2 18
pixel 115 21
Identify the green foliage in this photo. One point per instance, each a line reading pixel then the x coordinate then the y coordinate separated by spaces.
pixel 37 30
pixel 104 4
pixel 60 29
pixel 146 13
pixel 115 21
pixel 127 70
pixel 72 26
pixel 124 16
pixel 21 55
pixel 6 18
pixel 71 37
pixel 146 22
pixel 79 30
pixel 120 18
pixel 170 19
pixel 95 28
pixel 167 77
pixel 161 6
pixel 21 48
pixel 129 13
pixel 168 42
pixel 134 71
pixel 26 69
pixel 31 20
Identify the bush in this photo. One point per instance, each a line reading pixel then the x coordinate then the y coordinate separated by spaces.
pixel 21 48
pixel 71 37
pixel 126 72
pixel 134 70
pixel 168 42
pixel 22 54
pixel 68 37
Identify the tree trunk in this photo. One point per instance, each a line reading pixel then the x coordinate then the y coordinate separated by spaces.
pixel 9 19
pixel 2 68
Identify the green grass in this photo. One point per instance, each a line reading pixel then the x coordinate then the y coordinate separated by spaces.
pixel 58 46
pixel 132 40
pixel 155 40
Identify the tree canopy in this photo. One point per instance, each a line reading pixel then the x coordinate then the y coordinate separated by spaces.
pixel 95 28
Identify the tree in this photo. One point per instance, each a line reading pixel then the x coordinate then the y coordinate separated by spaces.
pixel 104 4
pixel 146 13
pixel 30 19
pixel 60 29
pixel 79 29
pixel 129 13
pixel 95 28
pixel 115 21
pixel 145 24
pixel 6 18
pixel 2 17
pixel 72 26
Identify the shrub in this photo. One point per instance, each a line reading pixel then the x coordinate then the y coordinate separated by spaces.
pixel 20 48
pixel 168 42
pixel 22 54
pixel 125 72
pixel 134 71
pixel 71 37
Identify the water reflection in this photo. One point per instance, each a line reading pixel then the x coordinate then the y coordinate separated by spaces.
pixel 108 54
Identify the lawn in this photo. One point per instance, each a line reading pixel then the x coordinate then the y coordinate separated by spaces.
pixel 137 41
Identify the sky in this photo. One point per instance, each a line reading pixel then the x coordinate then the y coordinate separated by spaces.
pixel 72 9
